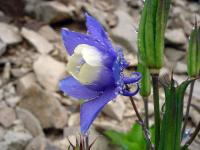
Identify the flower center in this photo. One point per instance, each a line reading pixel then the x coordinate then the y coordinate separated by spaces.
pixel 85 64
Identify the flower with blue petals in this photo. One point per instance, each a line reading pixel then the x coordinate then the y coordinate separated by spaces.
pixel 96 70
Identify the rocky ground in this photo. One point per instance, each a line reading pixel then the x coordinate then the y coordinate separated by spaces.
pixel 33 113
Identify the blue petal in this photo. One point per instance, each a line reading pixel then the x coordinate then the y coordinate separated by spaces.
pixel 97 31
pixel 106 79
pixel 90 109
pixel 72 87
pixel 72 39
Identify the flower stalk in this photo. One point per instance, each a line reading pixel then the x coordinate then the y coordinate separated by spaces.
pixel 156 109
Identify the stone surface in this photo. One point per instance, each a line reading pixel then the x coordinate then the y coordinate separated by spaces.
pixel 9 34
pixel 53 11
pixel 38 41
pixel 2 132
pixel 30 122
pixel 180 68
pixel 74 119
pixel 7 116
pixel 3 47
pixel 45 107
pixel 49 72
pixel 48 33
pixel 40 143
pixel 174 54
pixel 13 101
pixel 124 33
pixel 15 140
pixel 115 109
pixel 176 36
pixel 26 82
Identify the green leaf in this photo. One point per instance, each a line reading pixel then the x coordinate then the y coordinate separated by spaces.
pixel 173 115
pixel 132 140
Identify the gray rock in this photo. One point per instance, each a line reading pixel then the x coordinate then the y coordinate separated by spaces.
pixel 15 140
pixel 49 72
pixel 2 48
pixel 2 132
pixel 13 101
pixel 30 122
pixel 45 107
pixel 30 5
pixel 25 82
pixel 115 109
pixel 40 43
pixel 74 119
pixel 176 36
pixel 9 34
pixel 40 143
pixel 7 116
pixel 181 68
pixel 124 33
pixel 48 33
pixel 53 11
pixel 174 54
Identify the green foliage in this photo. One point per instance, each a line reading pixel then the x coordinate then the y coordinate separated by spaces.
pixel 132 140
pixel 173 116
pixel 151 32
pixel 193 54
pixel 145 89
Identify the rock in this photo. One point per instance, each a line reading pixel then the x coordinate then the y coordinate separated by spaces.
pixel 176 36
pixel 13 101
pixel 7 116
pixel 45 107
pixel 180 68
pixel 9 34
pixel 74 119
pixel 38 41
pixel 194 114
pixel 15 140
pixel 49 72
pixel 174 54
pixel 124 33
pixel 115 109
pixel 48 33
pixel 26 82
pixel 30 5
pixel 53 11
pixel 100 144
pixel 30 122
pixel 107 125
pixel 40 143
pixel 3 47
pixel 2 132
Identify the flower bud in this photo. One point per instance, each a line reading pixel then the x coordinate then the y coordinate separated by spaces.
pixel 151 32
pixel 193 54
pixel 145 88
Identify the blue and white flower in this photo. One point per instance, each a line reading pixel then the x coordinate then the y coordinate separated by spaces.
pixel 96 70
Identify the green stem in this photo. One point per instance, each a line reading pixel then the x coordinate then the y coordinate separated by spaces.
pixel 156 109
pixel 188 107
pixel 146 112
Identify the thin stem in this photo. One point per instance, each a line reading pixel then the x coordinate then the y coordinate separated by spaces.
pixel 145 130
pixel 146 111
pixel 195 133
pixel 156 109
pixel 188 107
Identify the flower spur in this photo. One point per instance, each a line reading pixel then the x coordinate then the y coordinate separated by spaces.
pixel 96 70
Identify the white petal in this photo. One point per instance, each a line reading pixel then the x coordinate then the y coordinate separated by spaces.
pixel 90 54
pixel 74 65
pixel 89 74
